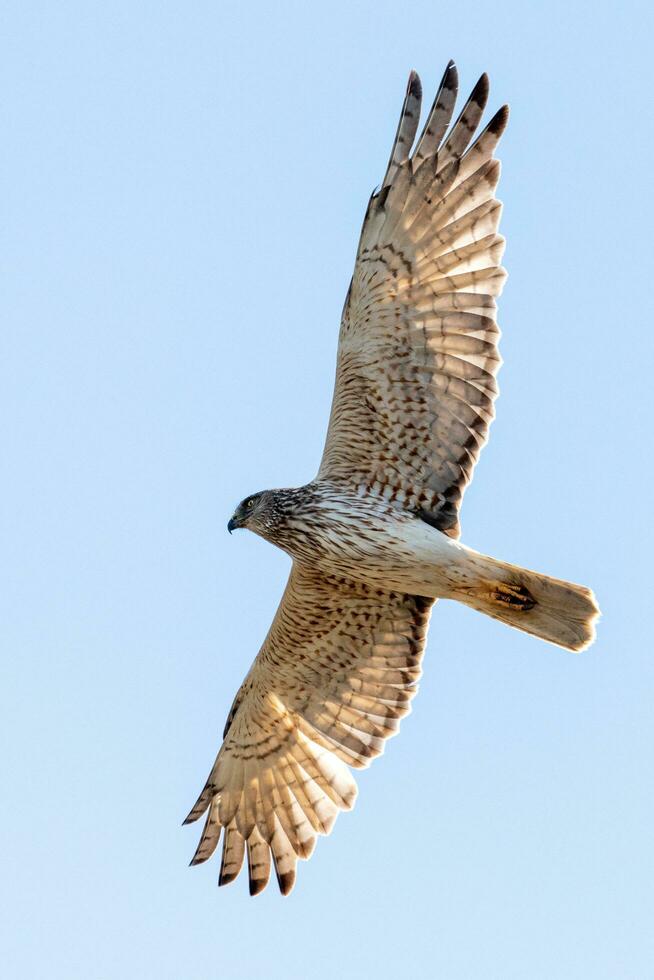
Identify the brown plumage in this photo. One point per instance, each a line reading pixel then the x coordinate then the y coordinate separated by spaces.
pixel 374 538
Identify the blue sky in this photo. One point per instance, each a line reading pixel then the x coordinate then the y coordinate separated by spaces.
pixel 183 186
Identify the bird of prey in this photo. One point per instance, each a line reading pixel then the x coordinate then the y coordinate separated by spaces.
pixel 374 537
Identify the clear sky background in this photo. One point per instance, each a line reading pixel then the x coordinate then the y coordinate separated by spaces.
pixel 183 186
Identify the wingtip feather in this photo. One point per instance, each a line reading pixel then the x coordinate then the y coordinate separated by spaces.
pixel 497 125
pixel 256 887
pixel 414 85
pixel 286 881
pixel 226 878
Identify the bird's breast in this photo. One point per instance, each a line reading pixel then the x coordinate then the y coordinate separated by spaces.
pixel 362 538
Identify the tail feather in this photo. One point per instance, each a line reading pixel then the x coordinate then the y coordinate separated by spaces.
pixel 554 610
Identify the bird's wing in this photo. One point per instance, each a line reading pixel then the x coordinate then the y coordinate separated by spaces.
pixel 336 673
pixel 417 355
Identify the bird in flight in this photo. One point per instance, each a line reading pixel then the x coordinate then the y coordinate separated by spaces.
pixel 374 537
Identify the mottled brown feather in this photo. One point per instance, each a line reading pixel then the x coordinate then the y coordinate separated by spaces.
pixel 415 386
pixel 317 696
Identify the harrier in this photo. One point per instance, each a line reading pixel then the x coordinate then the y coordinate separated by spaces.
pixel 374 537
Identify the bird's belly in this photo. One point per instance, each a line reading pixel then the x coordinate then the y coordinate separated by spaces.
pixel 396 553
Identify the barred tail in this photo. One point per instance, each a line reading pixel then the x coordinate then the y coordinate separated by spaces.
pixel 557 611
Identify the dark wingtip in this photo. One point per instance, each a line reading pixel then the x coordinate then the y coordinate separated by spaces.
pixel 480 92
pixel 286 882
pixel 451 75
pixel 200 805
pixel 225 879
pixel 414 85
pixel 256 887
pixel 499 120
pixel 194 815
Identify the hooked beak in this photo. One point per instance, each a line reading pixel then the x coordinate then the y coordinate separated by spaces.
pixel 232 525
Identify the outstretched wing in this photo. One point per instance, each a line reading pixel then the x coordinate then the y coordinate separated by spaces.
pixel 337 671
pixel 417 356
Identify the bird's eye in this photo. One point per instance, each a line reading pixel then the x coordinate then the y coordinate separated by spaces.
pixel 249 504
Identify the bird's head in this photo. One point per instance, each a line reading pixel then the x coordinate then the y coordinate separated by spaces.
pixel 246 512
pixel 265 512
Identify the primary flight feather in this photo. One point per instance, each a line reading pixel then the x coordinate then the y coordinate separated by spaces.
pixel 374 537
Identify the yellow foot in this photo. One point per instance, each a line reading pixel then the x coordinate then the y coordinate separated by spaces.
pixel 512 595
